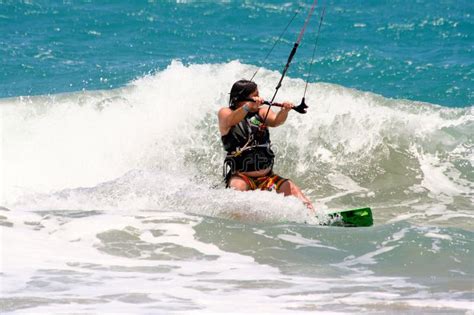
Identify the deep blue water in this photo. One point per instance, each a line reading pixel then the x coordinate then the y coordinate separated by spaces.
pixel 420 50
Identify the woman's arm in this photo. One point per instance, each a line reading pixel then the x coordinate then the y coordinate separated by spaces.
pixel 229 118
pixel 275 120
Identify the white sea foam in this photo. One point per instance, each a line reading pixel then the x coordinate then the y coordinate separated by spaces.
pixel 156 140
pixel 145 260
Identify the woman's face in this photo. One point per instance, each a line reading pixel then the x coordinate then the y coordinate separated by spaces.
pixel 251 95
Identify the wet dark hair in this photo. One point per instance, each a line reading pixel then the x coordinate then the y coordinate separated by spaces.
pixel 240 91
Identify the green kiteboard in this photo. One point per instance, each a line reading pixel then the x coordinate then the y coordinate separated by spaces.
pixel 353 217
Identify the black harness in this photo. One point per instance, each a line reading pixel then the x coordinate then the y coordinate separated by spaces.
pixel 248 147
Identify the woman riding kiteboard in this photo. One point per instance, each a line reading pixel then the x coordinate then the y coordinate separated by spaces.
pixel 246 138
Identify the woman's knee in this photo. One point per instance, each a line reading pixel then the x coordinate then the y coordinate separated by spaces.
pixel 288 188
pixel 238 183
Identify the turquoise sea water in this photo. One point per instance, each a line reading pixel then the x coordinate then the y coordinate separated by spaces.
pixel 419 50
pixel 111 194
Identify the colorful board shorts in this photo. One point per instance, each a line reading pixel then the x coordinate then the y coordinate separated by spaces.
pixel 267 182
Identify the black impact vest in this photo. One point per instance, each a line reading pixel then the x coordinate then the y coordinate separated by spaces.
pixel 248 146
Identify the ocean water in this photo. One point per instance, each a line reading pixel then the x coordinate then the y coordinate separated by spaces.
pixel 111 192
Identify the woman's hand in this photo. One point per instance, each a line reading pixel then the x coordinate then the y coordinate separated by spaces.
pixel 254 106
pixel 287 106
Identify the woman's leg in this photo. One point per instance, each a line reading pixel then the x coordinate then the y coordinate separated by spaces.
pixel 289 188
pixel 238 183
